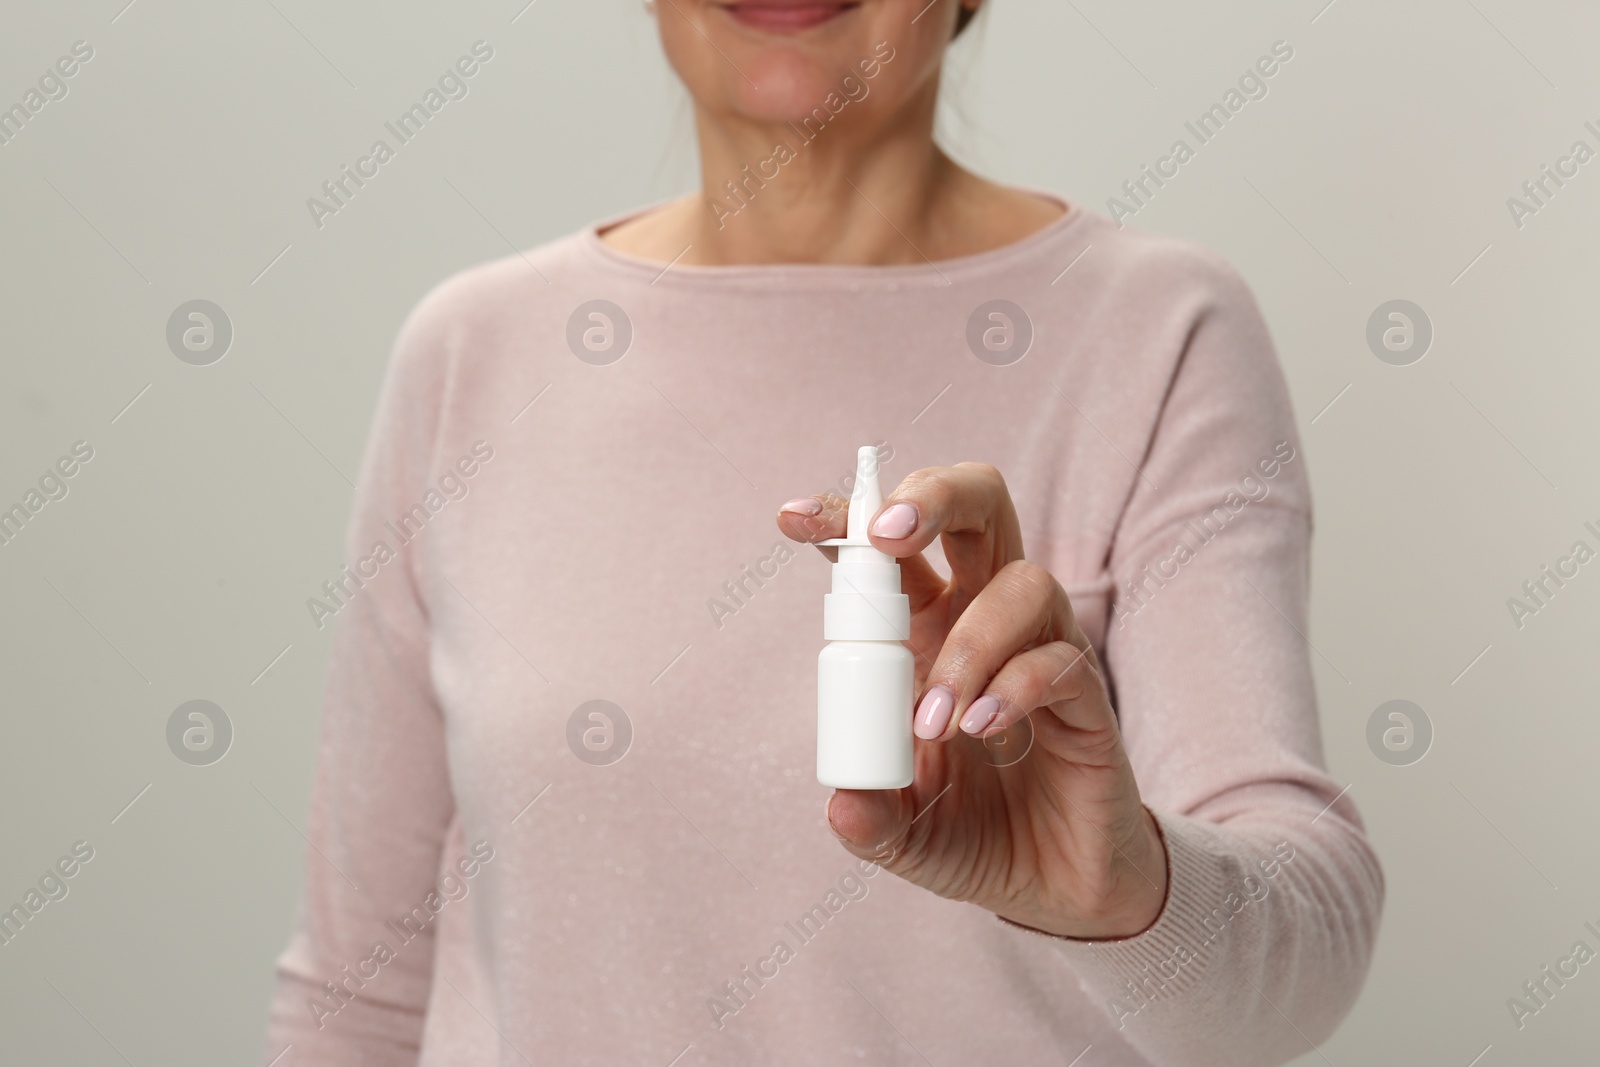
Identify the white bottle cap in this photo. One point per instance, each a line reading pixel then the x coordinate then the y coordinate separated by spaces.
pixel 866 603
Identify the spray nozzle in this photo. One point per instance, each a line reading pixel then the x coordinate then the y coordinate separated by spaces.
pixel 866 497
pixel 866 603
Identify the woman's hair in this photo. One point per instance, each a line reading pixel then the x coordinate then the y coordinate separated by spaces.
pixel 963 17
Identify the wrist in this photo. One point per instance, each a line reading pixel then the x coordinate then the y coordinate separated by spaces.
pixel 1138 897
pixel 1145 879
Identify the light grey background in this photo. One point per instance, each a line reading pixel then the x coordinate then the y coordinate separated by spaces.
pixel 178 567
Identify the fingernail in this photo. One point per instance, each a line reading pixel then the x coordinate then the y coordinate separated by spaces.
pixel 933 715
pixel 980 714
pixel 805 505
pixel 896 522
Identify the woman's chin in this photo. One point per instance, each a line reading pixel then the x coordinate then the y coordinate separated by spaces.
pixel 785 89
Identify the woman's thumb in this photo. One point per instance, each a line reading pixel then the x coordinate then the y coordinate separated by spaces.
pixel 871 823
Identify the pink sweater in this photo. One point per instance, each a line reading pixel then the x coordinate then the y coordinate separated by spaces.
pixel 477 893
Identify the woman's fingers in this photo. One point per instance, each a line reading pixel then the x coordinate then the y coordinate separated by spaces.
pixel 1060 676
pixel 1023 606
pixel 967 506
pixel 810 519
pixel 814 518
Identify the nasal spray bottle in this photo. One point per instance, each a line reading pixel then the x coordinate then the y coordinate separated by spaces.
pixel 864 675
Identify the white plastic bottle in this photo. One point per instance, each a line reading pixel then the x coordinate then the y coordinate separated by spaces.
pixel 864 675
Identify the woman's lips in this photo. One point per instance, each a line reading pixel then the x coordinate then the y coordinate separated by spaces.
pixel 787 16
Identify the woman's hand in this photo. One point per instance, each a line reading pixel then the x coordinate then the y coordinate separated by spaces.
pixel 1024 801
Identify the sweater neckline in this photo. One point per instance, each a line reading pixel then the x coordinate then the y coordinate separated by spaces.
pixel 933 274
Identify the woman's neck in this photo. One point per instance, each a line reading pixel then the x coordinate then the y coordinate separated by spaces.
pixel 803 194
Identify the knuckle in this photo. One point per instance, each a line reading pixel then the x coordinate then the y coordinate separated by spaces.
pixel 1027 689
pixel 961 653
pixel 987 471
pixel 924 483
pixel 989 477
pixel 1072 671
pixel 1029 577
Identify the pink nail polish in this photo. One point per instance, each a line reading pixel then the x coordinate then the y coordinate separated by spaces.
pixel 899 521
pixel 805 505
pixel 933 715
pixel 980 714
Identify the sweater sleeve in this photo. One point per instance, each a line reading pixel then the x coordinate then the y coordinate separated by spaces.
pixel 1274 893
pixel 381 801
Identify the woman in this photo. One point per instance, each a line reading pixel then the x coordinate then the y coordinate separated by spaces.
pixel 1121 836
